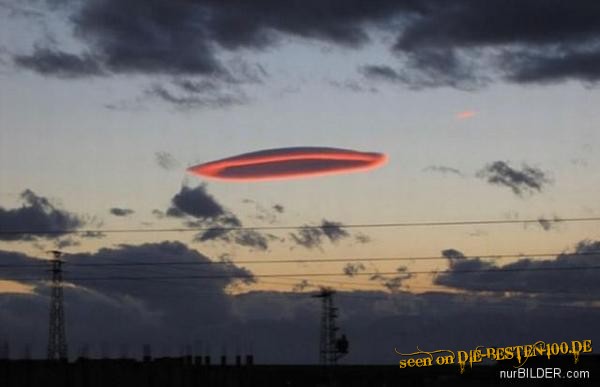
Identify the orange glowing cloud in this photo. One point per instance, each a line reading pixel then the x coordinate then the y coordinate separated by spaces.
pixel 289 163
pixel 465 115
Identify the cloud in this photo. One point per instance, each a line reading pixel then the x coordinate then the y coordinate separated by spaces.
pixel 453 255
pixel 251 238
pixel 392 282
pixel 301 286
pixel 184 38
pixel 362 238
pixel 59 64
pixel 353 86
pixel 166 161
pixel 160 214
pixel 309 238
pixel 548 224
pixel 465 115
pixel 430 69
pixel 528 275
pixel 133 313
pixel 464 44
pixel 92 234
pixel 248 238
pixel 334 230
pixel 313 237
pixel 526 180
pixel 191 99
pixel 352 269
pixel 198 208
pixel 449 38
pixel 143 308
pixel 121 211
pixel 39 215
pixel 381 72
pixel 288 163
pixel 265 214
pixel 557 64
pixel 443 170
pixel 66 242
pixel 21 11
pixel 132 36
pixel 195 202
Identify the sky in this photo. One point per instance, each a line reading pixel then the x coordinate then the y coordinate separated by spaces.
pixel 485 112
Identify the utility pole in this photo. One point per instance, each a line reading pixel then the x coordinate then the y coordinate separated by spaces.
pixel 57 340
pixel 331 348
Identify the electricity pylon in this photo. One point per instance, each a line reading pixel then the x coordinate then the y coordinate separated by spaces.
pixel 331 348
pixel 57 340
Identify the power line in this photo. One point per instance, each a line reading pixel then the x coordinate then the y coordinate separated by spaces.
pixel 277 275
pixel 355 287
pixel 303 227
pixel 302 260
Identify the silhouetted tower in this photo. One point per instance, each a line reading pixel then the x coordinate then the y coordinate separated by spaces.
pixel 57 340
pixel 331 348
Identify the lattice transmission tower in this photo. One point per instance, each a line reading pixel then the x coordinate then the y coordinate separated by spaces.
pixel 331 348
pixel 57 339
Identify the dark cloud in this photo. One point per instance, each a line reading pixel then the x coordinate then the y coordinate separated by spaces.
pixel 362 238
pixel 143 308
pixel 547 66
pixel 251 238
pixel 443 170
pixel 313 237
pixel 166 161
pixel 548 224
pixel 453 255
pixel 248 238
pixel 449 38
pixel 92 234
pixel 116 211
pixel 334 231
pixel 301 286
pixel 381 72
pixel 309 238
pixel 170 313
pixel 544 223
pixel 352 269
pixel 192 100
pixel 528 275
pixel 198 208
pixel 461 44
pixel 265 214
pixel 66 242
pixel 212 234
pixel 134 36
pixel 353 86
pixel 429 69
pixel 201 86
pixel 184 38
pixel 195 202
pixel 39 215
pixel 526 180
pixel 392 282
pixel 59 64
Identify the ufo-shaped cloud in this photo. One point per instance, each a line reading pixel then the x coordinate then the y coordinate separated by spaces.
pixel 289 163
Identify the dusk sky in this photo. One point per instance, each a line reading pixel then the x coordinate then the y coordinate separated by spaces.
pixel 486 111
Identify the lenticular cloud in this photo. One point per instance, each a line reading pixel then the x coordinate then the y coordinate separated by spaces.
pixel 289 163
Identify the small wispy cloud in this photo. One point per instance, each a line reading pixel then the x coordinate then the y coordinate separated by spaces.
pixel 465 115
